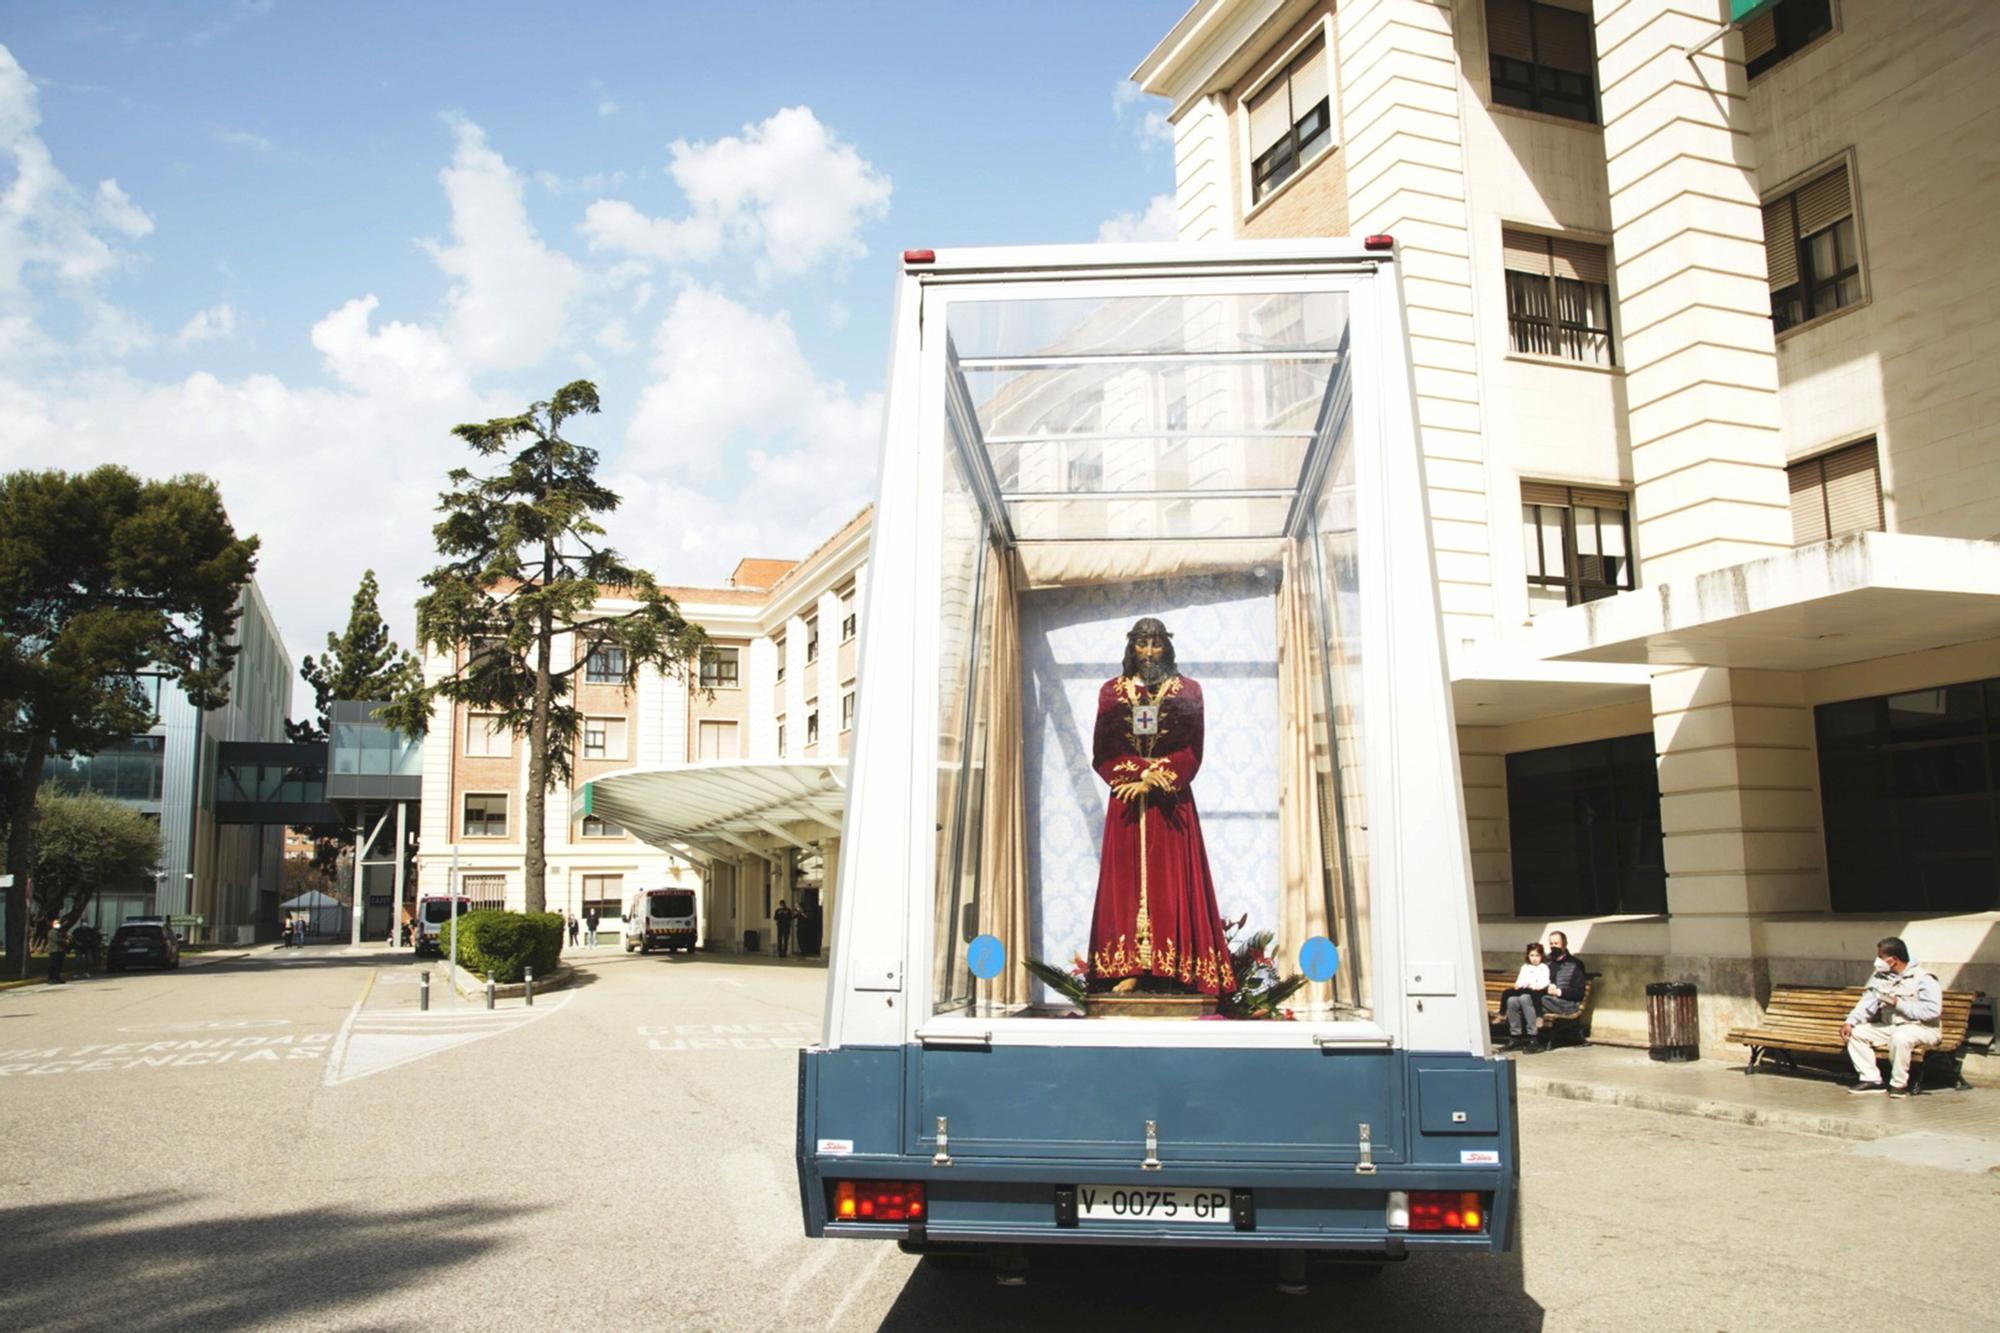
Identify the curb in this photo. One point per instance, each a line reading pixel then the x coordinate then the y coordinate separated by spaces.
pixel 1703 1108
pixel 469 986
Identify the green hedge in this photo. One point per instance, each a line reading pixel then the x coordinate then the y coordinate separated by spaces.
pixel 501 945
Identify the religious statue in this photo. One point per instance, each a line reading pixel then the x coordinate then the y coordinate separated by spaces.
pixel 1157 925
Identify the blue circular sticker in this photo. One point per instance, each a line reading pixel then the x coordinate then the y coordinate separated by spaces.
pixel 1319 959
pixel 986 955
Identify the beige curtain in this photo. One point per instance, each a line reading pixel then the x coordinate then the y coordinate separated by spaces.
pixel 1072 564
pixel 1003 837
pixel 1304 850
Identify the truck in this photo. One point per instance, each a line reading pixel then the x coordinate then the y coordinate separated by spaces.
pixel 1217 447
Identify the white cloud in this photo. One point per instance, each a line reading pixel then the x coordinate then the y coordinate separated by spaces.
pixel 509 306
pixel 218 321
pixel 613 337
pixel 786 190
pixel 739 440
pixel 1156 223
pixel 117 211
pixel 1146 115
pixel 256 143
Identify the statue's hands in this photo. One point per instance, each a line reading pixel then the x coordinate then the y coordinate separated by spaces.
pixel 1158 779
pixel 1130 791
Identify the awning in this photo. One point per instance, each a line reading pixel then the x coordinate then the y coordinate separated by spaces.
pixel 1868 595
pixel 1497 684
pixel 723 809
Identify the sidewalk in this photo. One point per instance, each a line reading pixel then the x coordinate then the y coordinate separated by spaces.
pixel 1775 1099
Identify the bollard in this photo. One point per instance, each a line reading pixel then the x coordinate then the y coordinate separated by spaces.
pixel 489 992
pixel 528 984
pixel 424 992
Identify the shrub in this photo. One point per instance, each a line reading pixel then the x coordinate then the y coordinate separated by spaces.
pixel 502 945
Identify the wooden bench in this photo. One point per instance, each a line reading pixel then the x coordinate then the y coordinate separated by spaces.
pixel 1576 1024
pixel 1805 1020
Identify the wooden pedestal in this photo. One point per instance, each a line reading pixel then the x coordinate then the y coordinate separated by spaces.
pixel 1141 1005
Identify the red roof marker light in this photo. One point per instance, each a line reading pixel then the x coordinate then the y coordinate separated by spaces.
pixel 1379 243
pixel 920 256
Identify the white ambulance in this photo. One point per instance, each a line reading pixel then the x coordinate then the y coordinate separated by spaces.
pixel 660 919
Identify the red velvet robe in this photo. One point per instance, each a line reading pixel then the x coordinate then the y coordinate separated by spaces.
pixel 1181 935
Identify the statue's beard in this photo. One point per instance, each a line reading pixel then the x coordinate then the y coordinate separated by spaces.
pixel 1153 672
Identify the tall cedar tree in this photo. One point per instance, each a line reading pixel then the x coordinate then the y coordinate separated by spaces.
pixel 363 663
pixel 523 569
pixel 103 576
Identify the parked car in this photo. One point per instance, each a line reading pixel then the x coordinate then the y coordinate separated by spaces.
pixel 134 944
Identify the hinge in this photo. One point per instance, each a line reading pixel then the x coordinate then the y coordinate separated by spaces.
pixel 1152 1162
pixel 1366 1165
pixel 942 1157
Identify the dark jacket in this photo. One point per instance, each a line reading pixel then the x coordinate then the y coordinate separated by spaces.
pixel 1566 975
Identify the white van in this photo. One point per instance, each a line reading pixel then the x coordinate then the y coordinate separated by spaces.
pixel 660 919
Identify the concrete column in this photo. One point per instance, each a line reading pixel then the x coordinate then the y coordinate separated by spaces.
pixel 1405 161
pixel 1202 207
pixel 1694 310
pixel 1483 769
pixel 1740 815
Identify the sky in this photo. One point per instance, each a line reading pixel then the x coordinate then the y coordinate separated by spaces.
pixel 290 245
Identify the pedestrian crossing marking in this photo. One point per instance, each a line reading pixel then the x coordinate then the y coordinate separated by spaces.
pixel 373 1042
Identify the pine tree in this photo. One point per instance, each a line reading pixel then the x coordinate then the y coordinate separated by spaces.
pixel 523 569
pixel 363 663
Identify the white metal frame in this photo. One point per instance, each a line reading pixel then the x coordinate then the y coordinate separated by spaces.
pixel 1426 987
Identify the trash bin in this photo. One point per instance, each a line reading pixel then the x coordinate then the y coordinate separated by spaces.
pixel 750 941
pixel 1673 1026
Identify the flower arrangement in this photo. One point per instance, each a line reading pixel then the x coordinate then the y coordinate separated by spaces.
pixel 1260 992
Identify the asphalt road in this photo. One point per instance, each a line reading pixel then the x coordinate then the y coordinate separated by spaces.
pixel 281 1142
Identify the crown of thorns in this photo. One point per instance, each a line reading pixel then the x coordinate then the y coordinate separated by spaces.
pixel 1147 626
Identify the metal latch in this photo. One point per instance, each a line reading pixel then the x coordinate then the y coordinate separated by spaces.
pixel 978 1041
pixel 942 1157
pixel 1366 1165
pixel 1152 1162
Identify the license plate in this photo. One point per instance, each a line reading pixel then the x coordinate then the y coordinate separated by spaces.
pixel 1139 1203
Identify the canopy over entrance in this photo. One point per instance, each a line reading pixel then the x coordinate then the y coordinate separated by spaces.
pixel 724 809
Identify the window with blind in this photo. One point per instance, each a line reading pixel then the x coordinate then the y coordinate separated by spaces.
pixel 1558 297
pixel 593 827
pixel 717 740
pixel 1541 59
pixel 1783 30
pixel 1577 542
pixel 719 668
pixel 1836 493
pixel 604 738
pixel 486 737
pixel 487 892
pixel 485 815
pixel 1291 120
pixel 1812 250
pixel 607 664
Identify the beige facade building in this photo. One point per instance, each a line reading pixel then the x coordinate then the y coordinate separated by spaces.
pixel 1702 319
pixel 778 683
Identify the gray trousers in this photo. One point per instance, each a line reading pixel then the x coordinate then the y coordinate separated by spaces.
pixel 1522 1016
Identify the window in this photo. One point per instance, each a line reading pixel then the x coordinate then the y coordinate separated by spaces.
pixel 847 711
pixel 781 737
pixel 780 644
pixel 1836 493
pixel 1558 297
pixel 719 668
pixel 1086 470
pixel 1291 120
pixel 1584 821
pixel 1911 805
pixel 485 815
pixel 604 738
pixel 812 724
pixel 1789 27
pixel 605 895
pixel 606 665
pixel 133 769
pixel 812 639
pixel 1540 59
pixel 486 738
pixel 593 827
pixel 1578 543
pixel 847 615
pixel 488 893
pixel 1812 250
pixel 716 740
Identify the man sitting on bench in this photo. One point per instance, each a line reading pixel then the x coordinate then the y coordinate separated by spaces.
pixel 1899 1010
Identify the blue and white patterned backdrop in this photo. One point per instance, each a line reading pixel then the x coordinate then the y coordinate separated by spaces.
pixel 1225 630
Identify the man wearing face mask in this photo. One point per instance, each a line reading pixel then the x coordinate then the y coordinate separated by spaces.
pixel 1566 981
pixel 1899 1010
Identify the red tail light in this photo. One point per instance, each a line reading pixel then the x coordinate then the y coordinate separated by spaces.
pixel 878 1201
pixel 1447 1210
